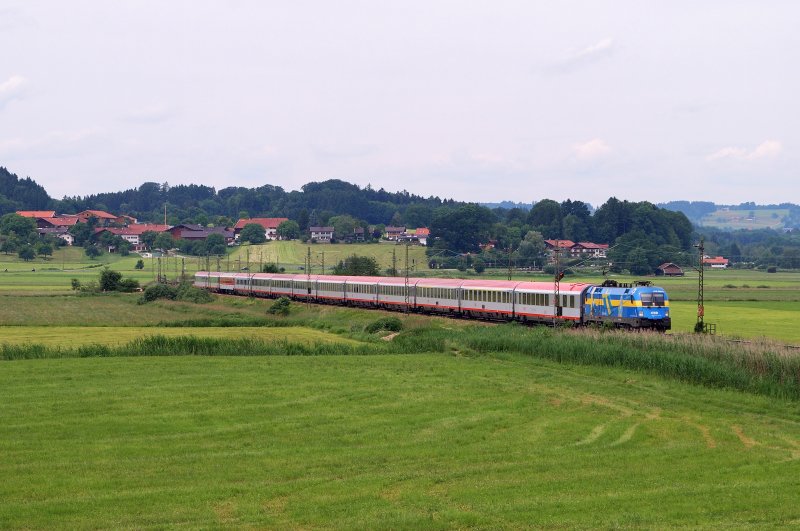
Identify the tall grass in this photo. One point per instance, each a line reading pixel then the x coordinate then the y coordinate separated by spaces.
pixel 761 368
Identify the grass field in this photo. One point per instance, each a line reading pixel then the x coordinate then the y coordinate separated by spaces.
pixel 119 335
pixel 385 442
pixel 745 219
pixel 293 254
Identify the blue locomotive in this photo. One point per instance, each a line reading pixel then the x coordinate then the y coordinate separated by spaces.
pixel 627 306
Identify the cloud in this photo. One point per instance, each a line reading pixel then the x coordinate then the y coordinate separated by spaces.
pixel 341 151
pixel 54 144
pixel 766 149
pixel 590 54
pixel 12 89
pixel 592 149
pixel 149 115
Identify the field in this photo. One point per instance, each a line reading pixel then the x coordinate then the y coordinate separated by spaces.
pixel 423 441
pixel 745 219
pixel 292 255
pixel 173 414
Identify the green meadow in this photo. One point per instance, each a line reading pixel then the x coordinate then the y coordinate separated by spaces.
pixel 173 414
pixel 385 442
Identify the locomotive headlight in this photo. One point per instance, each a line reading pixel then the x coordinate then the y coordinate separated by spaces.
pixel 641 313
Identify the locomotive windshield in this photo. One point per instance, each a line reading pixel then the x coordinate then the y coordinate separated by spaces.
pixel 653 299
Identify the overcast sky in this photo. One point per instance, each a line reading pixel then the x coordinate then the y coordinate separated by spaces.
pixel 479 101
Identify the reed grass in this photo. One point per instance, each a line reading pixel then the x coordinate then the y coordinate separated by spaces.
pixel 757 367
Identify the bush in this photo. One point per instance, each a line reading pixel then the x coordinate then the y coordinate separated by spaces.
pixel 186 292
pixel 139 264
pixel 76 284
pixel 158 291
pixel 109 279
pixel 280 307
pixel 128 285
pixel 772 269
pixel 391 324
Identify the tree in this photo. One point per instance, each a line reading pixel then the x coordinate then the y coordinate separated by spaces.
pixel 10 244
pixel 82 233
pixel 343 226
pixel 148 238
pixel 545 217
pixel 531 250
pixel 139 264
pixel 253 233
pixel 92 251
pixel 44 249
pixel 478 265
pixel 21 227
pixel 215 244
pixel 109 279
pixel 27 253
pixel 462 229
pixel 164 241
pixel 357 266
pixel 288 230
pixel 76 284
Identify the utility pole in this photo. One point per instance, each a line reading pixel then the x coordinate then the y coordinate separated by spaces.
pixel 165 213
pixel 323 262
pixel 700 327
pixel 308 277
pixel 408 294
pixel 183 269
pixel 510 264
pixel 557 283
pixel 248 260
pixel 394 261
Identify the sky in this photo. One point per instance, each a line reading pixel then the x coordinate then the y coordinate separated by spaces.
pixel 473 100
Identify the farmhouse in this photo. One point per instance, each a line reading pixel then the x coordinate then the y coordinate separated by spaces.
pixel 60 232
pixel 589 250
pixel 270 226
pixel 103 218
pixel 668 269
pixel 321 234
pixel 717 262
pixel 36 213
pixel 394 234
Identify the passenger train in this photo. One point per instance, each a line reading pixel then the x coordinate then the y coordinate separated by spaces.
pixel 620 305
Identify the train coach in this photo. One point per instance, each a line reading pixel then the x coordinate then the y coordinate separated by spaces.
pixel 622 306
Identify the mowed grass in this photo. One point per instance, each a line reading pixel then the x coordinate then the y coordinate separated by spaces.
pixel 53 336
pixel 774 320
pixel 292 254
pixel 385 442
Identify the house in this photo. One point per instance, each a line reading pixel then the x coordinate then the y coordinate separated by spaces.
pixel 423 233
pixel 58 221
pixel 59 232
pixel 589 250
pixel 270 226
pixel 717 262
pixel 358 234
pixel 668 269
pixel 321 234
pixel 563 245
pixel 103 218
pixel 125 220
pixel 36 213
pixel 204 233
pixel 394 234
pixel 177 230
pixel 133 233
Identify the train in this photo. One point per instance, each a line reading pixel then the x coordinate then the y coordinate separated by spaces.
pixel 631 306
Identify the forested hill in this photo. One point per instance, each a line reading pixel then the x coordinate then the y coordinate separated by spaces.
pixel 21 194
pixel 198 202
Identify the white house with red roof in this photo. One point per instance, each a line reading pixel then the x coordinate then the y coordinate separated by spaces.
pixel 717 262
pixel 270 226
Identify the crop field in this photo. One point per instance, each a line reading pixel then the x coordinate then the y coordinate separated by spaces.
pixel 378 442
pixel 745 219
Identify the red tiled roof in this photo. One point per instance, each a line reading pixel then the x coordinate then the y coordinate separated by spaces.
pixel 267 223
pixel 100 214
pixel 563 244
pixel 66 221
pixel 716 261
pixel 591 245
pixel 36 213
pixel 423 231
pixel 140 228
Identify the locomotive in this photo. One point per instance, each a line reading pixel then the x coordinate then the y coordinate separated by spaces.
pixel 631 306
